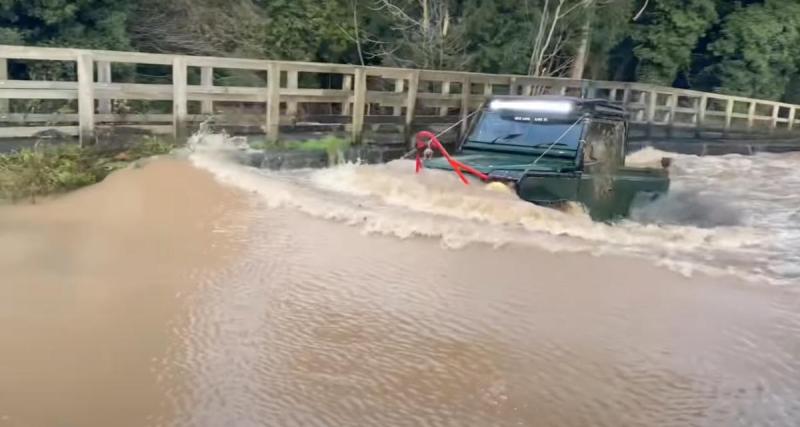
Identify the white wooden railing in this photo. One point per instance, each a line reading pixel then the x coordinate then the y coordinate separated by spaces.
pixel 367 95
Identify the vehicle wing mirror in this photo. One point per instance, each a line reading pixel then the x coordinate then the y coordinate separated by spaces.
pixel 666 162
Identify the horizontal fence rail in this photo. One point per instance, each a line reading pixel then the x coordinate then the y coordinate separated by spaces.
pixel 353 96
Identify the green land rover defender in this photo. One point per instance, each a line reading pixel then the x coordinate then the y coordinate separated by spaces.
pixel 552 150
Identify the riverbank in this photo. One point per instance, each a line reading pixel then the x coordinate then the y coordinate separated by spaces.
pixel 92 285
pixel 45 170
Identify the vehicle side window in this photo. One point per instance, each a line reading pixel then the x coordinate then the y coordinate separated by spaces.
pixel 604 143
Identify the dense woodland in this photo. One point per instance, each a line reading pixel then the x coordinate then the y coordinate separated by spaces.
pixel 749 48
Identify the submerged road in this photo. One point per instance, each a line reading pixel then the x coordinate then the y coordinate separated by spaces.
pixel 205 293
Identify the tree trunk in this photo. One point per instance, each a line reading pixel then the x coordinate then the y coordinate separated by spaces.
pixel 426 17
pixel 540 60
pixel 582 55
pixel 537 42
pixel 357 31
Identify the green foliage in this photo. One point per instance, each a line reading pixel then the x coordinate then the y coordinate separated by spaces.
pixel 746 47
pixel 500 34
pixel 151 146
pixel 669 35
pixel 39 171
pixel 35 172
pixel 91 24
pixel 307 30
pixel 265 145
pixel 611 24
pixel 10 36
pixel 74 23
pixel 406 37
pixel 332 145
pixel 757 51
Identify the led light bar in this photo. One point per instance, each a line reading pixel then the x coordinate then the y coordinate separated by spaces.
pixel 523 105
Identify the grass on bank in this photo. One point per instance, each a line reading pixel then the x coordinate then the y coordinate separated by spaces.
pixel 44 170
pixel 334 146
pixel 53 169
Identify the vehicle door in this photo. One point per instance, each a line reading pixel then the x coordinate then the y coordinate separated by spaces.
pixel 603 154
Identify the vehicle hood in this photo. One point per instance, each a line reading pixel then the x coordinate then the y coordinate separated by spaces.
pixel 490 162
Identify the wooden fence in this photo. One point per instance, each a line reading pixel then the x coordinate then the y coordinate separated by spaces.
pixel 354 96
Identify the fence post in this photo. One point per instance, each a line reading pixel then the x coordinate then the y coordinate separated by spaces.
pixel 104 77
pixel 487 89
pixel 347 84
pixel 591 90
pixel 411 103
pixel 651 107
pixel 751 115
pixel 729 114
pixel 179 97
pixel 359 103
pixel 3 76
pixel 792 114
pixel 445 91
pixel 273 101
pixel 701 111
pixel 207 82
pixel 291 83
pixel 775 111
pixel 673 105
pixel 85 65
pixel 527 89
pixel 650 112
pixel 626 94
pixel 399 86
pixel 466 92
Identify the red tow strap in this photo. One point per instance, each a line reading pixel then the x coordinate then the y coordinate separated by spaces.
pixel 427 142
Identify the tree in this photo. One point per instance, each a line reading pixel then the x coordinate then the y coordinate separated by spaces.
pixel 98 24
pixel 419 34
pixel 668 35
pixel 11 36
pixel 550 55
pixel 578 65
pixel 308 30
pixel 611 22
pixel 757 50
pixel 198 27
pixel 746 47
pixel 302 30
pixel 499 35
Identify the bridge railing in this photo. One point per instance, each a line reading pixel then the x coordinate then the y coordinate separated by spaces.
pixel 357 97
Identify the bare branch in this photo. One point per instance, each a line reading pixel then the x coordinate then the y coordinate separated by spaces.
pixel 550 33
pixel 425 35
pixel 641 11
pixel 193 27
pixel 573 7
pixel 396 12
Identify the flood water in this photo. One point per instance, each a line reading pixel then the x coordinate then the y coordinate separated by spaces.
pixel 362 295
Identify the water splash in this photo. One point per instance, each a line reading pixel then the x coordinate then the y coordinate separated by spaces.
pixel 728 214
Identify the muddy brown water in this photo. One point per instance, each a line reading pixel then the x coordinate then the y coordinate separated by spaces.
pixel 162 298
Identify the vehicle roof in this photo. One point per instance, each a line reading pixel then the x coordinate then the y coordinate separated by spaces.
pixel 592 106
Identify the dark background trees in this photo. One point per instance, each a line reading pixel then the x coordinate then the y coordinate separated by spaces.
pixel 749 48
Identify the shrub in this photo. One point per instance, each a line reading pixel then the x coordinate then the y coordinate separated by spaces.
pixel 39 171
pixel 332 145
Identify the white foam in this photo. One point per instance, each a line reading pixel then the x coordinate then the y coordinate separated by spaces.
pixel 390 199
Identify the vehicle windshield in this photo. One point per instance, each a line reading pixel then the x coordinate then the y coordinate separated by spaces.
pixel 505 128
